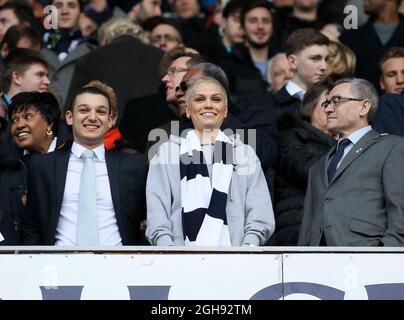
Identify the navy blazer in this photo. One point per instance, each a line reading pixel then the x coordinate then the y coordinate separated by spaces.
pixel 46 184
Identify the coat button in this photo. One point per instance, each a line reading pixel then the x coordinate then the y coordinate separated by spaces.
pixel 327 199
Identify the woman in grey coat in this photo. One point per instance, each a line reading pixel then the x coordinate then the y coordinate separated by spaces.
pixel 207 188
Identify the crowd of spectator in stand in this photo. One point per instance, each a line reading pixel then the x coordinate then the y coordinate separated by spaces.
pixel 201 123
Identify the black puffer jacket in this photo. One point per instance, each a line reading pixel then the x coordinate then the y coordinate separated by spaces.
pixel 300 146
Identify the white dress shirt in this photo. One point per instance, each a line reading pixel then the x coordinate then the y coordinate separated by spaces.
pixel 294 90
pixel 67 226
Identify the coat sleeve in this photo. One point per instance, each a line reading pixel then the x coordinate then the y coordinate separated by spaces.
pixel 392 180
pixel 158 197
pixel 259 214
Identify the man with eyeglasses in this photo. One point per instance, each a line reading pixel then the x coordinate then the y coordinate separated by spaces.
pixel 355 194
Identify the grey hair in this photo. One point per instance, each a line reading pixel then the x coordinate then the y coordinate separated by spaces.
pixel 362 89
pixel 191 89
pixel 213 71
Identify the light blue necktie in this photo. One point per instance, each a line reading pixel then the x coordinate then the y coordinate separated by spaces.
pixel 87 222
pixel 299 95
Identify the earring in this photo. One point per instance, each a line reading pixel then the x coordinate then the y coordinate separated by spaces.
pixel 188 116
pixel 49 132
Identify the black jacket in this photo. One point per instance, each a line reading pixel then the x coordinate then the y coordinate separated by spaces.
pixel 281 102
pixel 285 23
pixel 263 116
pixel 9 219
pixel 300 146
pixel 127 178
pixel 366 45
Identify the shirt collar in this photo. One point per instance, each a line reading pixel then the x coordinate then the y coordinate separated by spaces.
pixel 293 89
pixel 78 149
pixel 358 134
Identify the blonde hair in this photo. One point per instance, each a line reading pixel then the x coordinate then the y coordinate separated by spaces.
pixel 119 26
pixel 113 100
pixel 342 61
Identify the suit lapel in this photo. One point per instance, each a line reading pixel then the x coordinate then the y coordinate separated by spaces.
pixel 113 176
pixel 365 142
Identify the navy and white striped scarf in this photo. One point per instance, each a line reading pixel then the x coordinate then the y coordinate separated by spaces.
pixel 203 203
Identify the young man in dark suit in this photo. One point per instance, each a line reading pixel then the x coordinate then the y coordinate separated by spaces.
pixel 85 195
pixel 355 194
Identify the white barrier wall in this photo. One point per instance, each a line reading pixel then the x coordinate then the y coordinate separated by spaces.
pixel 185 275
